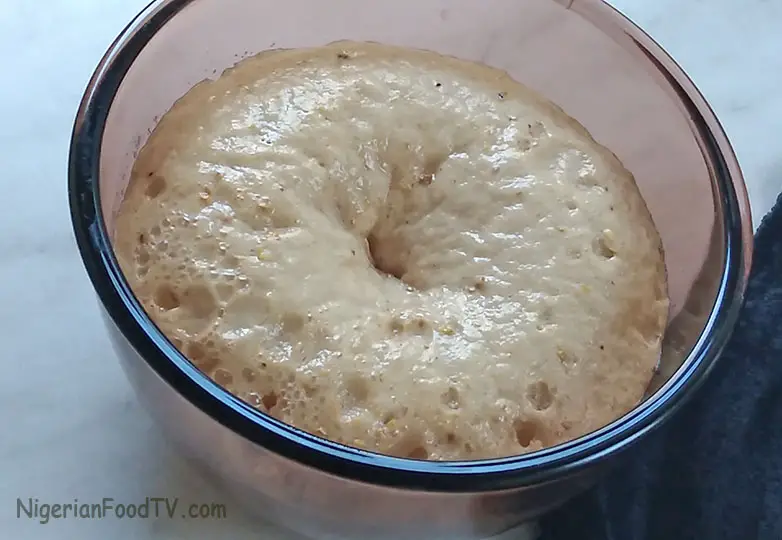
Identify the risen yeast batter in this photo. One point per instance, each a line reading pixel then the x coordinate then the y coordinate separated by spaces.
pixel 396 250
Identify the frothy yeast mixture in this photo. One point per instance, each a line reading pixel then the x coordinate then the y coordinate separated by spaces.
pixel 397 250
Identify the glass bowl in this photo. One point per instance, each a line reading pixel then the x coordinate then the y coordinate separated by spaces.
pixel 594 63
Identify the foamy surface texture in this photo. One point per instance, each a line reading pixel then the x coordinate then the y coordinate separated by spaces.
pixel 398 251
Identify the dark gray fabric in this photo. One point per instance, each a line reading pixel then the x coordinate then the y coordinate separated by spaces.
pixel 714 471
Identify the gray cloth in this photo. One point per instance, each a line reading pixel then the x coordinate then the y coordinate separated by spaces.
pixel 714 471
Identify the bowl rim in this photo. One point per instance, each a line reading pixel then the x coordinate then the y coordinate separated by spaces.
pixel 175 369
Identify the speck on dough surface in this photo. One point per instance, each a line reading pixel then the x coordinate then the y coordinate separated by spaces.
pixel 397 250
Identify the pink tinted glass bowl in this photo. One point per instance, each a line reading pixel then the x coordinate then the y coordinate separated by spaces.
pixel 595 64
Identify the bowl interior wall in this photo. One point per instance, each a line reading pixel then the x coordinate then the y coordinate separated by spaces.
pixel 620 98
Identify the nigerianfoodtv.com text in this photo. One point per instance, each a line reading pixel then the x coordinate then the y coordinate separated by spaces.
pixel 108 508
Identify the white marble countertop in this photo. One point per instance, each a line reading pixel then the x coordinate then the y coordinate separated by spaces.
pixel 73 428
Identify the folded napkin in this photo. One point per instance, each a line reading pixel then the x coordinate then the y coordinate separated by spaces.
pixel 714 471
